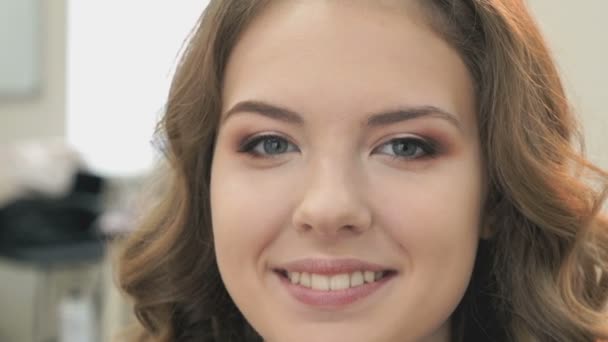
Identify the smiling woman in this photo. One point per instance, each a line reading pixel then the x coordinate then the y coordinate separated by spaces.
pixel 371 171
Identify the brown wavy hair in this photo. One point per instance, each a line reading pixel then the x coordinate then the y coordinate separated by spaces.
pixel 541 276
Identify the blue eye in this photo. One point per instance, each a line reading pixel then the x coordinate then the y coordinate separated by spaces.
pixel 267 145
pixel 408 148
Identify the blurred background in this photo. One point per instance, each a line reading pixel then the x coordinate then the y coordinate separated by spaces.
pixel 82 85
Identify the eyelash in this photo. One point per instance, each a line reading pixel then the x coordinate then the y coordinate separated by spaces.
pixel 250 144
pixel 429 148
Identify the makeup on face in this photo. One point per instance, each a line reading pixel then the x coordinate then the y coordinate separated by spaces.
pixel 332 283
pixel 346 182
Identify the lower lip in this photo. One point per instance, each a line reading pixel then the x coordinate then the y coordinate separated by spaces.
pixel 333 299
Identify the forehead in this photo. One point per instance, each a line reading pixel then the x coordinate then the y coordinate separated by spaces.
pixel 346 57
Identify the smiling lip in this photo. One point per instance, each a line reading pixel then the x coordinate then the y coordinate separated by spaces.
pixel 331 266
pixel 331 299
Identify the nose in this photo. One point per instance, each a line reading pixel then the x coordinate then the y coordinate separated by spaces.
pixel 333 202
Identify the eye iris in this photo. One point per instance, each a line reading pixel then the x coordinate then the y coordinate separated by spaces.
pixel 274 146
pixel 404 148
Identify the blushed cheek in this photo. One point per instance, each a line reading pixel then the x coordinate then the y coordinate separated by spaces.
pixel 436 217
pixel 432 236
pixel 248 213
pixel 436 227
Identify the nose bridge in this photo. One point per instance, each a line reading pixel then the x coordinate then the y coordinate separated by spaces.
pixel 333 177
pixel 333 197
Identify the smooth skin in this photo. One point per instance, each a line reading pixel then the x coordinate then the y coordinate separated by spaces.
pixel 334 178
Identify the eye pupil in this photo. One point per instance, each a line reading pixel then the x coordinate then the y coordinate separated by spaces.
pixel 274 145
pixel 404 148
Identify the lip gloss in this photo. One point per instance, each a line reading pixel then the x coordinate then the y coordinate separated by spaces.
pixel 335 298
pixel 376 276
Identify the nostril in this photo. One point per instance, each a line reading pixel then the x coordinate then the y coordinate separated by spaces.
pixel 352 228
pixel 305 227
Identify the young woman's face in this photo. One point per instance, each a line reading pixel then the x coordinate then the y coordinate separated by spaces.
pixel 346 184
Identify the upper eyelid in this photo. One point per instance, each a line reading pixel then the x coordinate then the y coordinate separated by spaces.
pixel 385 141
pixel 416 138
pixel 421 140
pixel 269 135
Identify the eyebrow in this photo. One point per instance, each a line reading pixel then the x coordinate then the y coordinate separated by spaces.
pixel 384 118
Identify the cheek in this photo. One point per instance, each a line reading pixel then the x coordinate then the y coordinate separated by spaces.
pixel 248 210
pixel 434 216
pixel 433 219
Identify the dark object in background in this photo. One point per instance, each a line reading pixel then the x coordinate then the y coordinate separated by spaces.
pixel 33 223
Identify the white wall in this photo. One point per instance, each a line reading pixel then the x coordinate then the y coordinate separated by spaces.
pixel 578 34
pixel 41 115
pixel 119 76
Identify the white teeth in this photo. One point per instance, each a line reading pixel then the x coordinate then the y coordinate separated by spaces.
pixel 339 282
pixel 334 283
pixel 319 282
pixel 305 279
pixel 369 276
pixel 294 277
pixel 356 279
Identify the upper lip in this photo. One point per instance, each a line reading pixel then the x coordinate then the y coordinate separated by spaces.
pixel 330 266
